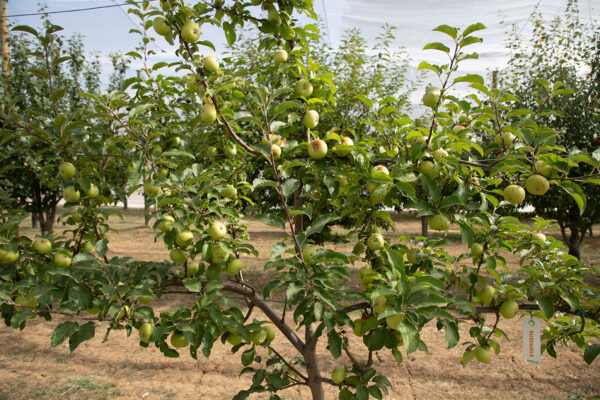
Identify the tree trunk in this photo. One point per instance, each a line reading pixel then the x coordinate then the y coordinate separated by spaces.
pixel 573 240
pixel 34 220
pixel 125 204
pixel 312 366
pixel 424 227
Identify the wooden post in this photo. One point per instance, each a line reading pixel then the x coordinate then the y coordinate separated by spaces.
pixel 4 37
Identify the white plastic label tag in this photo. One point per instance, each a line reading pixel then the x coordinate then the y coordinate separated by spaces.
pixel 532 342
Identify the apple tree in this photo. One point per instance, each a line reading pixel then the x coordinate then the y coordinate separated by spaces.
pixel 196 205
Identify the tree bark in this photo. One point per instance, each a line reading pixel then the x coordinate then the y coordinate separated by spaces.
pixel 424 227
pixel 312 365
pixel 34 220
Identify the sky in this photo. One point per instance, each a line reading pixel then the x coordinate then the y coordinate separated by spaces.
pixel 106 31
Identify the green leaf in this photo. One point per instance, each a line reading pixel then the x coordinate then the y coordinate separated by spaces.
pixel 447 29
pixel 248 357
pixel 591 352
pixel 471 78
pixel 436 46
pixel 335 344
pixel 473 28
pixel 271 220
pixel 193 285
pixel 470 40
pixel 319 223
pixel 62 332
pixel 102 247
pixel 452 335
pixel 25 28
pixel 289 186
pixel 85 332
pixel 575 191
pixel 426 65
pixel 365 100
pixel 546 305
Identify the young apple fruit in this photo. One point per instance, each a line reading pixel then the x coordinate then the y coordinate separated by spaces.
pixel 192 268
pixel 509 309
pixel 343 152
pixel 537 185
pixel 235 266
pixel 145 331
pixel 317 149
pixel 219 255
pixel 62 260
pixel 379 304
pixel 166 223
pixel 482 354
pixel 234 339
pixel 209 113
pixel 71 195
pixel 229 191
pixel 431 98
pixel 230 149
pixel 486 294
pixel 8 256
pixel 211 64
pixel 270 333
pixel 477 249
pixel 439 222
pixel 67 170
pixel 311 119
pixel 379 169
pixel 339 374
pixel 217 230
pixel 280 56
pixel 375 241
pixel 439 155
pixel 93 192
pixel 160 26
pixel 42 245
pixel 543 168
pixel 178 256
pixel 259 337
pixel 87 247
pixel 514 194
pixel 151 190
pixel 178 340
pixel 428 168
pixel 190 32
pixel 303 88
pixel 504 139
pixel 184 238
pixel 539 236
pixel 276 150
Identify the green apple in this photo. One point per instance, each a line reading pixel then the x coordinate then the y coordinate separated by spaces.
pixel 344 141
pixel 509 308
pixel 486 294
pixel 166 223
pixel 71 195
pixel 539 236
pixel 543 168
pixel 463 118
pixel 431 98
pixel 192 268
pixel 317 149
pixel 217 230
pixel 219 255
pixel 145 331
pixel 235 266
pixel 379 169
pixel 125 311
pixel 477 249
pixel 162 172
pixel 482 354
pixel 428 168
pixel 67 170
pixel 25 301
pixel 393 321
pixel 280 56
pixel 212 151
pixel 439 222
pixel 274 17
pixel 258 337
pixel 178 256
pixel 160 26
pixel 151 190
pixel 439 155
pixel 229 191
pixel 504 139
pixel 270 332
pixel 514 194
pixel 230 149
pixel 146 298
pixel 311 119
pixel 379 304
pixel 76 216
pixel 86 247
pixel 457 129
pixel 364 271
pixel 93 192
pixel 537 185
pixel 357 326
pixel 211 64
pixel 339 374
pixel 307 252
pixel 42 245
pixel 375 241
pixel 165 5
pixel 209 113
pixel 234 339
pixel 184 238
pixel 276 150
pixel 62 260
pixel 8 256
pixel 392 151
pixel 91 310
pixel 303 88
pixel 178 340
pixel 190 32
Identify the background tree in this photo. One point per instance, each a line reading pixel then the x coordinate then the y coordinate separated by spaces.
pixel 566 50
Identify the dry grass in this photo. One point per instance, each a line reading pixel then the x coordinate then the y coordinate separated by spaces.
pixel 120 369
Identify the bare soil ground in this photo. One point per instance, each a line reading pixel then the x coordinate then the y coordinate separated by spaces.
pixel 120 369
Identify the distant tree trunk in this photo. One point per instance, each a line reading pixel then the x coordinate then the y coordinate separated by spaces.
pixel 34 220
pixel 44 208
pixel 125 203
pixel 574 239
pixel 424 227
